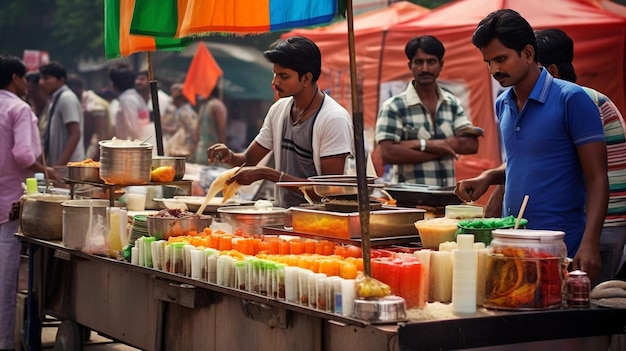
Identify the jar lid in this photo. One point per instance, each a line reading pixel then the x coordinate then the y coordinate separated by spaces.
pixel 577 273
pixel 528 234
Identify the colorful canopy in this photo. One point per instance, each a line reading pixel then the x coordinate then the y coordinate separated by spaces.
pixel 117 38
pixel 180 18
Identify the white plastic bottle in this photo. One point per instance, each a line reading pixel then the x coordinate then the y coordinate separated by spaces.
pixel 464 276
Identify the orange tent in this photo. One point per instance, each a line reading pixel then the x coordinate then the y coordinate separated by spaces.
pixel 599 42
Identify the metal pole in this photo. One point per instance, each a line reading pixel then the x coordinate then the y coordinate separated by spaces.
pixel 154 93
pixel 359 149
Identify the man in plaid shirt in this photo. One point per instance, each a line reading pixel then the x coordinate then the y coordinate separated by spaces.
pixel 423 130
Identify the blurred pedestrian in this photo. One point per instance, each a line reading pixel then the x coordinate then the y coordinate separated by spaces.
pixel 63 138
pixel 96 115
pixel 185 139
pixel 142 85
pixel 211 128
pixel 132 118
pixel 19 140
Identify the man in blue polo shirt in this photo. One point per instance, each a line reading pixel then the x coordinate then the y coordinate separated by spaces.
pixel 553 138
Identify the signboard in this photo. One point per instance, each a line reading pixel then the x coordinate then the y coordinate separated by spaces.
pixel 35 58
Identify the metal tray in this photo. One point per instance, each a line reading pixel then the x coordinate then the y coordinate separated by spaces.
pixel 407 194
pixel 387 222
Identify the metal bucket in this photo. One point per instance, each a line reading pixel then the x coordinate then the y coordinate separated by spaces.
pixel 125 165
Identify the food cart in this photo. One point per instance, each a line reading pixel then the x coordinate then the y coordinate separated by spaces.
pixel 156 310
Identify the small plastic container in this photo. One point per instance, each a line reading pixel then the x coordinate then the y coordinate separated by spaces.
pixel 464 211
pixel 435 231
pixel 577 287
pixel 525 270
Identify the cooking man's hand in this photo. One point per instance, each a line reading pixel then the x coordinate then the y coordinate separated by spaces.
pixel 219 153
pixel 471 189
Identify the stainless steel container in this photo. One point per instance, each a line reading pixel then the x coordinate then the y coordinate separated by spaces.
pixel 125 163
pixel 41 216
pixel 337 185
pixel 389 309
pixel 165 227
pixel 176 162
pixel 251 219
pixel 78 216
pixel 84 173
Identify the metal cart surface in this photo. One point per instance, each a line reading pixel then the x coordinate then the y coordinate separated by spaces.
pixel 154 310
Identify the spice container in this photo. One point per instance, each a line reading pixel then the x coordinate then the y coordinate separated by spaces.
pixel 577 287
pixel 525 270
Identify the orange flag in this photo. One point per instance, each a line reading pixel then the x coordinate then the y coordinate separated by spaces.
pixel 202 75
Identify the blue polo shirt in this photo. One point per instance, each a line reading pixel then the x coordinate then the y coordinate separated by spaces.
pixel 542 160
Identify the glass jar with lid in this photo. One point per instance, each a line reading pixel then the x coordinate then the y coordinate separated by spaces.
pixel 525 270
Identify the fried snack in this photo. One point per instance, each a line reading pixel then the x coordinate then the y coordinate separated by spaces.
pixel 84 163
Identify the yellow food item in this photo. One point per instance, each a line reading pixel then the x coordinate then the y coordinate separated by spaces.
pixel 162 174
pixel 84 163
pixel 368 287
pixel 219 184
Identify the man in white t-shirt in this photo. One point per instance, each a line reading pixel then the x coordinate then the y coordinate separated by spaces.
pixel 133 118
pixel 308 132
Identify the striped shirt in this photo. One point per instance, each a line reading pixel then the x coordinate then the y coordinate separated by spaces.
pixel 614 127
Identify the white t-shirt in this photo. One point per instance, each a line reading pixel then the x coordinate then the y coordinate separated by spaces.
pixel 332 132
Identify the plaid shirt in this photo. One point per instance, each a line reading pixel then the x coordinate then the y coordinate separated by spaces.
pixel 404 117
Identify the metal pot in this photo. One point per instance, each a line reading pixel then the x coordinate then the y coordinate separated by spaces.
pixel 41 216
pixel 125 163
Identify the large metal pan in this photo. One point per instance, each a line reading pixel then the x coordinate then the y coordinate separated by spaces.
pixel 330 189
pixel 338 185
pixel 410 195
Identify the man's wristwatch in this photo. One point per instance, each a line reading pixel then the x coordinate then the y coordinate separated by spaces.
pixel 422 144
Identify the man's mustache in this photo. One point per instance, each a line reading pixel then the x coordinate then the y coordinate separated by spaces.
pixel 424 74
pixel 497 76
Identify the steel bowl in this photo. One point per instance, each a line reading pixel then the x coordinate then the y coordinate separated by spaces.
pixel 338 185
pixel 389 309
pixel 125 163
pixel 164 227
pixel 252 219
pixel 84 173
pixel 176 162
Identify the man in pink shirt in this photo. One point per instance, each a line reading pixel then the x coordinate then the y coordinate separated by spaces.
pixel 20 145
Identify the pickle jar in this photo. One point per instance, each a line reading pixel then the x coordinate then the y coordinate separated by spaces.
pixel 577 289
pixel 525 270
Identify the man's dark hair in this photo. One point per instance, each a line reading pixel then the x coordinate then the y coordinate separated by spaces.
pixel 54 69
pixel 427 43
pixel 10 65
pixel 33 77
pixel 555 47
pixel 297 53
pixel 507 26
pixel 74 81
pixel 122 76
